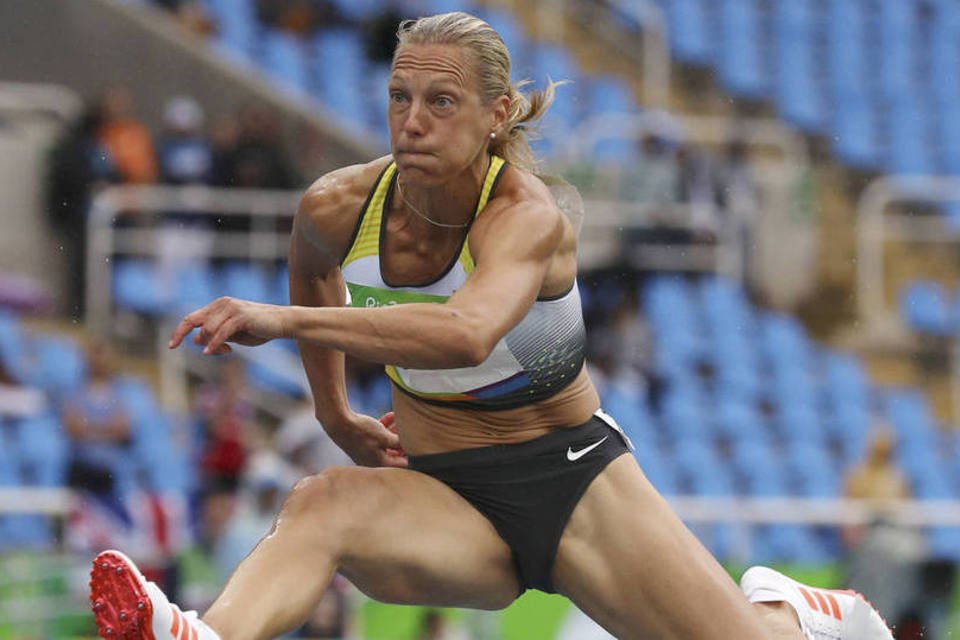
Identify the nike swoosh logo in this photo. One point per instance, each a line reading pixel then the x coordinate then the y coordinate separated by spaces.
pixel 573 456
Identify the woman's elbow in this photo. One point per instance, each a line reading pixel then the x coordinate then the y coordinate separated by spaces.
pixel 469 348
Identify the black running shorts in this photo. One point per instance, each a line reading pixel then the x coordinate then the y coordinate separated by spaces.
pixel 529 490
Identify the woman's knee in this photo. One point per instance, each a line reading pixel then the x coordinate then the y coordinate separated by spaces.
pixel 331 497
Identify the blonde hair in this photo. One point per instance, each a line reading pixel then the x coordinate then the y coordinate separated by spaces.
pixel 492 67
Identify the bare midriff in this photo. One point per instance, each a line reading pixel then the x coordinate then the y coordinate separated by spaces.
pixel 427 428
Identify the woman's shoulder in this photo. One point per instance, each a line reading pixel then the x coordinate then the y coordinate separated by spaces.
pixel 342 190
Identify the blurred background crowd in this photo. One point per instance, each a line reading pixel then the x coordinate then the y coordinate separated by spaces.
pixel 769 269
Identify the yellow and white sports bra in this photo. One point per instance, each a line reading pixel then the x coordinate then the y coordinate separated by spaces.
pixel 536 359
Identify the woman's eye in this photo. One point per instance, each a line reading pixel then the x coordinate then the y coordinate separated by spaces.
pixel 443 102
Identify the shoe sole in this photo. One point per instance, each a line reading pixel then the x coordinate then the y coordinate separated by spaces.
pixel 118 597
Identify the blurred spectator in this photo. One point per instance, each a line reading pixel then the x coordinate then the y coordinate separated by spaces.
pixel 78 162
pixel 884 557
pixel 191 14
pixel 301 17
pixel 331 618
pixel 380 33
pixel 434 626
pixel 126 139
pixel 654 177
pixel 226 422
pixel 621 350
pixel 697 186
pixel 257 503
pixel 99 426
pixel 304 444
pixel 200 576
pixel 185 156
pixel 739 191
pixel 251 156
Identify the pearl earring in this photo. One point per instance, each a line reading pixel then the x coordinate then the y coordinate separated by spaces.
pixel 493 135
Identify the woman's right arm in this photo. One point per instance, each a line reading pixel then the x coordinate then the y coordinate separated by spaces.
pixel 322 229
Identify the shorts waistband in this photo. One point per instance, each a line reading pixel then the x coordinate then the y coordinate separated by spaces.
pixel 508 453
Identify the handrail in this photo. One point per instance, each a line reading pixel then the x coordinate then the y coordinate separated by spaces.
pixel 104 241
pixel 875 225
pixel 706 130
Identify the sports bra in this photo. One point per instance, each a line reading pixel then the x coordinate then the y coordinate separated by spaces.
pixel 536 359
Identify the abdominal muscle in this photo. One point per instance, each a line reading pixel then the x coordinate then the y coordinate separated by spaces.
pixel 429 428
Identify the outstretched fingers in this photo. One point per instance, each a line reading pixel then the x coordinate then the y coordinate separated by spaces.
pixel 189 323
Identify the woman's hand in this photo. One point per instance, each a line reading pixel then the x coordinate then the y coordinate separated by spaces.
pixel 370 442
pixel 231 320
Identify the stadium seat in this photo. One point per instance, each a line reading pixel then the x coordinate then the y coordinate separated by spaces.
pixel 846 51
pixel 60 365
pixel 345 99
pixel 908 138
pixel 855 131
pixel 924 308
pixel 811 471
pixel 246 281
pixel 136 287
pixel 237 27
pixel 742 67
pixel 284 57
pixel 195 285
pixel 690 34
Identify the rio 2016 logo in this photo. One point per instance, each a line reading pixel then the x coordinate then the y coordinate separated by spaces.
pixel 373 302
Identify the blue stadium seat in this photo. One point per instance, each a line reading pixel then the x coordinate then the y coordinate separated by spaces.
pixel 739 422
pixel 41 446
pixel 631 413
pixel 345 99
pixel 897 66
pixel 195 285
pixel 700 470
pixel 947 122
pixel 797 91
pixel 855 131
pixel 245 280
pixel 761 471
pixel 237 27
pixel 908 138
pixel 285 58
pixel 742 67
pixel 943 543
pixel 690 35
pixel 60 365
pixel 657 468
pixel 846 63
pixel 281 285
pixel 136 287
pixel 925 308
pixel 943 70
pixel 811 470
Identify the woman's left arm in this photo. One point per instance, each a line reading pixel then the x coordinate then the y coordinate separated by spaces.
pixel 513 249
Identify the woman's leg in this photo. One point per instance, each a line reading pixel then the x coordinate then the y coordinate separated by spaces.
pixel 398 535
pixel 632 565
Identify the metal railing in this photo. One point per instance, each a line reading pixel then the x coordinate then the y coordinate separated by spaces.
pixel 876 226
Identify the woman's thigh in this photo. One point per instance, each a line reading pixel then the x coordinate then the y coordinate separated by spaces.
pixel 628 562
pixel 413 540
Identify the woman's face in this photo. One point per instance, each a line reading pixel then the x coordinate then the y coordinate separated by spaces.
pixel 438 123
